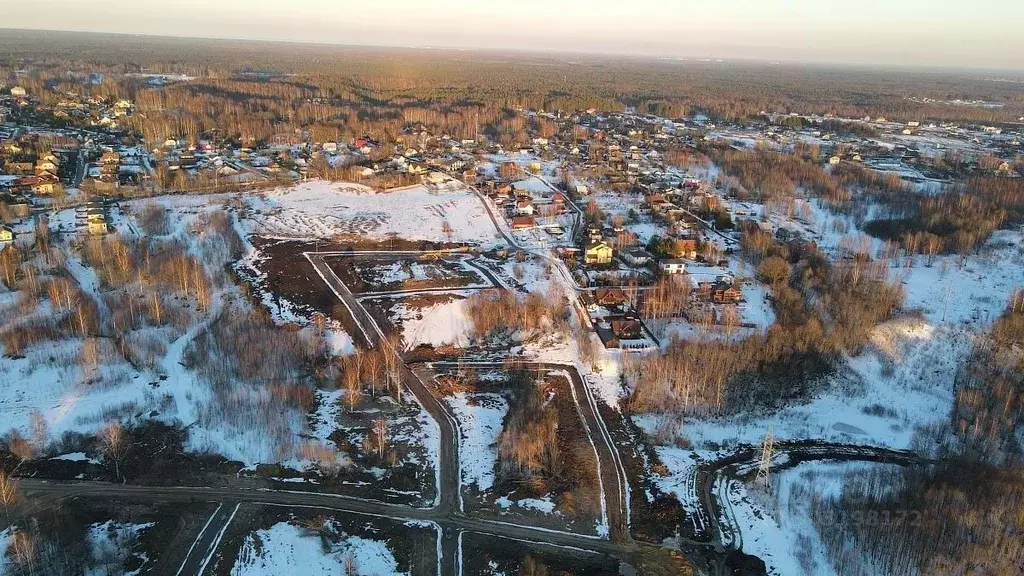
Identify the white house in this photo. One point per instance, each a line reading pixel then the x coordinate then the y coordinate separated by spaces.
pixel 636 256
pixel 674 266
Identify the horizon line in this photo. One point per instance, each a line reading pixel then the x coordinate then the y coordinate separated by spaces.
pixel 552 52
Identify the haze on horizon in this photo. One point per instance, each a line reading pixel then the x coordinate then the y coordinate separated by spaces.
pixel 981 34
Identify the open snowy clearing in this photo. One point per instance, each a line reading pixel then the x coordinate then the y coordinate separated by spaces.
pixel 288 549
pixel 776 525
pixel 443 321
pixel 111 543
pixel 320 209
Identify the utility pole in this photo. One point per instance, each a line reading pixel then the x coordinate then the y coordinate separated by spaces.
pixel 767 448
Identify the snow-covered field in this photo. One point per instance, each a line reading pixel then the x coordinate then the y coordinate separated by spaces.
pixel 111 544
pixel 320 209
pixel 436 324
pixel 480 418
pixel 777 525
pixel 288 549
pixel 904 378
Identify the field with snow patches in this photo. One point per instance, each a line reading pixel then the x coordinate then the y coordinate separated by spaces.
pixel 616 205
pixel 534 186
pixel 413 438
pixel 111 544
pixel 319 209
pixel 570 500
pixel 409 274
pixel 6 538
pixel 56 387
pixel 480 417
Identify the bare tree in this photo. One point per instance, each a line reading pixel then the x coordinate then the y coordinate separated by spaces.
pixel 372 367
pixel 89 359
pixel 62 294
pixel 10 492
pixel 380 436
pixel 447 230
pixel 115 445
pixel 353 387
pixel 351 568
pixel 40 431
pixel 10 262
pixel 22 550
pixel 730 319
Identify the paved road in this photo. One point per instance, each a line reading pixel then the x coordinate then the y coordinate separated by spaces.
pixel 452 522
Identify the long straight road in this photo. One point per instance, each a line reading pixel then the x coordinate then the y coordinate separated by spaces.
pixel 232 496
pixel 449 501
pixel 373 336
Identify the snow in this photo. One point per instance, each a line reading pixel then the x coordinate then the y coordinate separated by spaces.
pixel 111 544
pixel 325 210
pixel 904 377
pixel 756 308
pixel 646 230
pixel 544 505
pixel 480 418
pixel 339 342
pixel 681 481
pixel 880 398
pixel 5 542
pixel 76 457
pixel 435 325
pixel 778 527
pixel 392 273
pixel 53 386
pixel 324 420
pixel 287 549
pixel 427 433
pixel 977 292
pixel 72 399
pixel 533 185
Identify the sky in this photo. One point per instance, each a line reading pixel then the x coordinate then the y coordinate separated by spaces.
pixel 975 34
